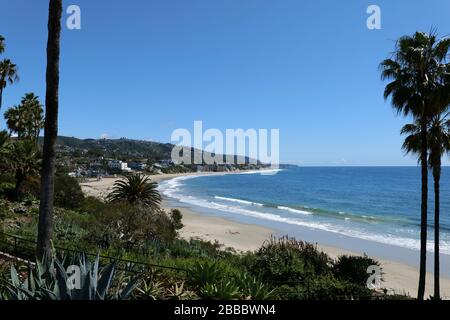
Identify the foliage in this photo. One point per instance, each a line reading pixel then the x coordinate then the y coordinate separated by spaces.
pixel 8 74
pixel 205 273
pixel 26 120
pixel 136 189
pixel 176 216
pixel 221 290
pixel 24 160
pixel 288 260
pixel 324 287
pixel 254 289
pixel 68 193
pixel 354 268
pixel 48 280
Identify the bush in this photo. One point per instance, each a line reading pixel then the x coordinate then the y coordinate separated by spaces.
pixel 324 288
pixel 354 268
pixel 6 189
pixel 68 193
pixel 176 217
pixel 132 227
pixel 288 260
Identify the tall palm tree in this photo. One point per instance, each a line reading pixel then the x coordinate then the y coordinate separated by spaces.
pixel 439 145
pixel 8 74
pixel 416 71
pixel 136 189
pixel 45 226
pixel 2 44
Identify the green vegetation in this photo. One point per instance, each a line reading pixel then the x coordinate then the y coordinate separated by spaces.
pixel 48 280
pixel 136 189
pixel 132 229
pixel 420 87
pixel 281 269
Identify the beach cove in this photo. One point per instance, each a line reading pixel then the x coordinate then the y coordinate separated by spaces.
pixel 399 264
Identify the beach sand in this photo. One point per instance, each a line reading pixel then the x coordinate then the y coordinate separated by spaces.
pixel 398 277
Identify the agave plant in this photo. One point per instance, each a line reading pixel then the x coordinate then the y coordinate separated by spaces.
pixel 48 280
pixel 253 288
pixel 222 290
pixel 205 273
pixel 136 189
pixel 179 292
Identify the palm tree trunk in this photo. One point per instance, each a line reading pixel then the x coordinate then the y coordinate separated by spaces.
pixel 50 131
pixel 19 182
pixel 1 95
pixel 437 177
pixel 424 209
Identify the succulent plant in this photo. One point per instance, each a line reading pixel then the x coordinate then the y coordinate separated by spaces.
pixel 48 280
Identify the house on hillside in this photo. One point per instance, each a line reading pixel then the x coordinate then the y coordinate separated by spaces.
pixel 118 165
pixel 137 166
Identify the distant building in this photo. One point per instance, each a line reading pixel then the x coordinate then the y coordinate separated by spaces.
pixel 165 163
pixel 118 165
pixel 137 166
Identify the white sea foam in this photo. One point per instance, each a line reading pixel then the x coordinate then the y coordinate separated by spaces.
pixel 294 210
pixel 239 201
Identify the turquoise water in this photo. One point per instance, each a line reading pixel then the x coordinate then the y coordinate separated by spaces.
pixel 380 204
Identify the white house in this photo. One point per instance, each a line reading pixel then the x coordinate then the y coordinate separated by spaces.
pixel 118 165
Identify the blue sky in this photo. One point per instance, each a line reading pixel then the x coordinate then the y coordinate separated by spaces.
pixel 142 68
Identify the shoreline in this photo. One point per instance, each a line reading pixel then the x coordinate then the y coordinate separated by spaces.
pixel 398 277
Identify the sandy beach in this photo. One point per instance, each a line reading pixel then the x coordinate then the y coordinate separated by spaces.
pixel 398 277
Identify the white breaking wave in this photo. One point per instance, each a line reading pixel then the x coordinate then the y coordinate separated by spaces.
pixel 239 201
pixel 294 210
pixel 171 189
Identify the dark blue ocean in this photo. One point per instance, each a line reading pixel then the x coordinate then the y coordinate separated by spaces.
pixel 380 204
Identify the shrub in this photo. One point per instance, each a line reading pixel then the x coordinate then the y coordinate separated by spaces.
pixel 68 193
pixel 354 268
pixel 176 217
pixel 324 287
pixel 6 189
pixel 288 260
pixel 205 273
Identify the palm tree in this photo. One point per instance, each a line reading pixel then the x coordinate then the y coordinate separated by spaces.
pixel 417 70
pixel 2 44
pixel 4 142
pixel 26 120
pixel 45 226
pixel 439 145
pixel 24 160
pixel 8 74
pixel 136 189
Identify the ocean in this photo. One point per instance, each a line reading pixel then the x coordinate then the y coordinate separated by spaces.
pixel 376 204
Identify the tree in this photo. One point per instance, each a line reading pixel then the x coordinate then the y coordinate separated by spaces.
pixel 439 145
pixel 4 143
pixel 2 44
pixel 24 160
pixel 136 189
pixel 417 70
pixel 8 74
pixel 47 189
pixel 26 120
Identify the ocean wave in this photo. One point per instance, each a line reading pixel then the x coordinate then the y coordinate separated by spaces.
pixel 239 201
pixel 294 210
